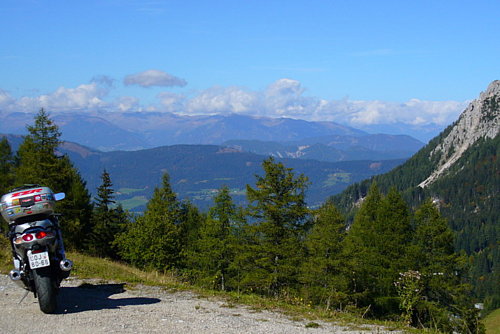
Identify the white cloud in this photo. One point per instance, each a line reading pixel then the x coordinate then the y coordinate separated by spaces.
pixel 223 100
pixel 282 98
pixel 153 78
pixel 413 112
pixel 84 97
pixel 127 103
pixel 285 98
pixel 5 99
pixel 172 102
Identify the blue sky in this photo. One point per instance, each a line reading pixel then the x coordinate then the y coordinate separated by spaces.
pixel 356 62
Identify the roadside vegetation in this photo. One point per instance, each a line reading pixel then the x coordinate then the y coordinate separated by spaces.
pixel 492 322
pixel 105 270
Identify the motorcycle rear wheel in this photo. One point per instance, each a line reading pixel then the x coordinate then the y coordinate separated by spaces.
pixel 45 289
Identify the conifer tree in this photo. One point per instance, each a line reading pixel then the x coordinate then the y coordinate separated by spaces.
pixel 190 223
pixel 105 193
pixel 39 163
pixel 107 220
pixel 6 173
pixel 6 166
pixel 359 248
pixel 322 274
pixel 375 248
pixel 214 250
pixel 279 209
pixel 153 240
pixel 394 235
pixel 446 302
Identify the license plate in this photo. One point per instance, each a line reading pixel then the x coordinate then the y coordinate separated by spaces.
pixel 39 260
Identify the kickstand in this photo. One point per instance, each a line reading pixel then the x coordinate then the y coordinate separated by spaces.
pixel 24 297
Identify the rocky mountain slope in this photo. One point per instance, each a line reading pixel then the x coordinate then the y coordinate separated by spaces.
pixel 479 120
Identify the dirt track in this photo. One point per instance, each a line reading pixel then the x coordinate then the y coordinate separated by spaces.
pixel 93 307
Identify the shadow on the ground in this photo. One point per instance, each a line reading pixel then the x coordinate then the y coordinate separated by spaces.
pixel 90 297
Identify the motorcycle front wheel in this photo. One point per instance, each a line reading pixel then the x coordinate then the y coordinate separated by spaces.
pixel 45 289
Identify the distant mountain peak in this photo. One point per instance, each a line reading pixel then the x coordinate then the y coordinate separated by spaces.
pixel 479 120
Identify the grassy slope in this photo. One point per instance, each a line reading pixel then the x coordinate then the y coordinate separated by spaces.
pixel 492 322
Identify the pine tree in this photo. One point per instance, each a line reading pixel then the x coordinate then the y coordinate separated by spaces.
pixel 153 240
pixel 6 166
pixel 6 174
pixel 39 163
pixel 359 245
pixel 394 235
pixel 214 250
pixel 445 302
pixel 107 221
pixel 190 223
pixel 279 209
pixel 375 249
pixel 322 274
pixel 105 193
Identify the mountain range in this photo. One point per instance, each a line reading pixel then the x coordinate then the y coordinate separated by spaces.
pixel 335 147
pixel 327 141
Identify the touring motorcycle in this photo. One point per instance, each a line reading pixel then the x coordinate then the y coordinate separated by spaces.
pixel 38 252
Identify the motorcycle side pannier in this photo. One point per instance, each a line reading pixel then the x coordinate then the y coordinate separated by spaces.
pixel 27 202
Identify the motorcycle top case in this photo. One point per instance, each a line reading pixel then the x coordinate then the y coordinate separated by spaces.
pixel 27 202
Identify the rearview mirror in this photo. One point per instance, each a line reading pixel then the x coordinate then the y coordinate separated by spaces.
pixel 59 196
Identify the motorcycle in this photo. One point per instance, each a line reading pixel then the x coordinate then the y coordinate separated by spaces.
pixel 38 252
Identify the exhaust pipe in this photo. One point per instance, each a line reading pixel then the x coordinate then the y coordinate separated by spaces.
pixel 15 275
pixel 66 265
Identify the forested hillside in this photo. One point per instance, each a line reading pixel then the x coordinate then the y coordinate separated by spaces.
pixel 459 171
pixel 197 171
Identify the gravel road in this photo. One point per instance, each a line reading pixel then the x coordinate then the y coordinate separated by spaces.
pixel 94 307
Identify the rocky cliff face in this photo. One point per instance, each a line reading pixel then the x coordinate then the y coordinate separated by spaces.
pixel 479 120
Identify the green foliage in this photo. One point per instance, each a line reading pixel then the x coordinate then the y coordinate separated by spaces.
pixel 7 165
pixel 5 254
pixel 214 251
pixel 445 302
pixel 468 196
pixel 280 213
pixel 107 221
pixel 39 163
pixel 153 240
pixel 409 287
pixel 322 268
pixel 105 193
pixel 76 210
pixel 376 249
pixel 189 226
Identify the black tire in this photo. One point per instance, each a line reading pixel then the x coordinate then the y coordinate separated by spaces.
pixel 45 289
